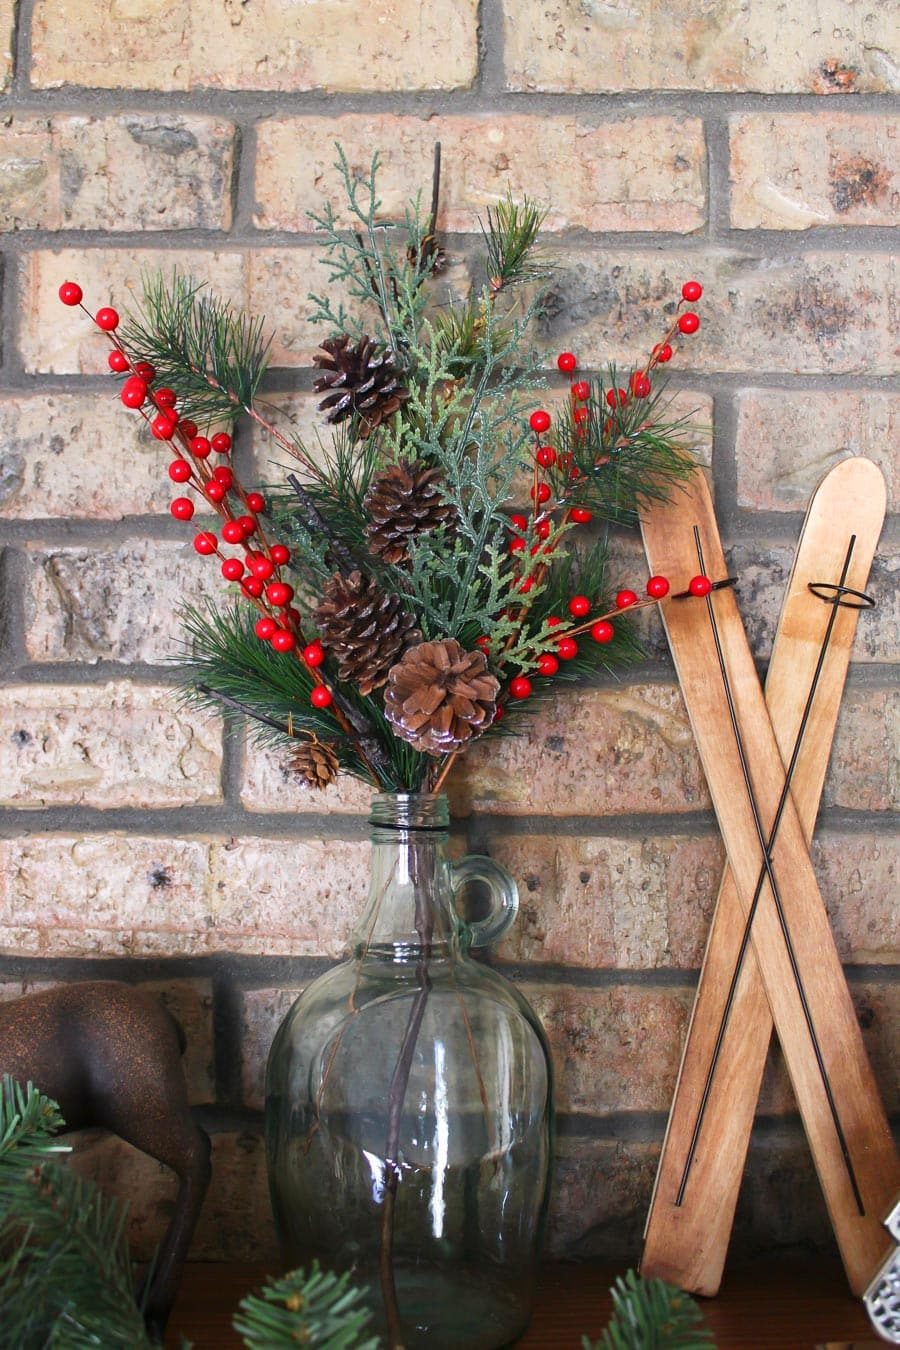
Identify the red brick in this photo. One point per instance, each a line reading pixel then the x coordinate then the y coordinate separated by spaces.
pixel 270 785
pixel 262 1012
pixel 865 760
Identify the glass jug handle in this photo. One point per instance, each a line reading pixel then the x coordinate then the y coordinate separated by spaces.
pixel 504 898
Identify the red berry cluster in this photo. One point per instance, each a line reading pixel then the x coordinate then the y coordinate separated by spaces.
pixel 257 566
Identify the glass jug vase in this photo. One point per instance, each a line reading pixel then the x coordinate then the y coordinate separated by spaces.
pixel 408 1103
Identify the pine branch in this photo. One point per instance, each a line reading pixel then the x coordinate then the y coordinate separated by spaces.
pixel 652 1315
pixel 317 524
pixel 314 1308
pixel 510 236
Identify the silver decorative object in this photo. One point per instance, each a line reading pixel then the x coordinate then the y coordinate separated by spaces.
pixel 882 1298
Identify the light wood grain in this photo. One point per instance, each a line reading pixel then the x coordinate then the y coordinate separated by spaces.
pixel 687 1243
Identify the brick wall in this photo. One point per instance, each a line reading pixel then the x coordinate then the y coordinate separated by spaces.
pixel 752 146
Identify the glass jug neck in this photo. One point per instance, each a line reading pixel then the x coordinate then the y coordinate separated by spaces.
pixel 410 911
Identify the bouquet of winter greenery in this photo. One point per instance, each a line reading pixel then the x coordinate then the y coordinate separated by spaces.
pixel 442 562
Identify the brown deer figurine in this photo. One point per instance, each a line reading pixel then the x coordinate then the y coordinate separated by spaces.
pixel 110 1056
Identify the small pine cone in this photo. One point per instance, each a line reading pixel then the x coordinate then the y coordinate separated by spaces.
pixel 439 696
pixel 402 501
pixel 315 762
pixel 365 629
pixel 358 379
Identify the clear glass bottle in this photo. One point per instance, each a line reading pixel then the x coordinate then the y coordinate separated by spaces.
pixel 408 1103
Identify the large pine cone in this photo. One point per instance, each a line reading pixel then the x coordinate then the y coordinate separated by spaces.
pixel 402 501
pixel 360 380
pixel 316 763
pixel 366 630
pixel 439 696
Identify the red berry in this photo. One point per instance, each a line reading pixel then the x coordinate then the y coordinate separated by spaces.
pixel 221 442
pixel 542 529
pixel 625 599
pixel 133 392
pixel 581 515
pixel 205 542
pixel 541 493
pixel 264 627
pixel 247 524
pixel 580 416
pixel 567 649
pixel 500 713
pixel 602 631
pixel 321 697
pixel 232 532
pixel 663 353
pixel 545 456
pixel 539 420
pixel 547 664
pixel 279 593
pixel 520 687
pixel 581 390
pixel 289 615
pixel 117 361
pixel 689 323
pixel 163 427
pixel 214 491
pixel 700 586
pixel 566 362
pixel 279 554
pixel 145 370
pixel 616 397
pixel 182 508
pixel 283 641
pixel 314 654
pixel 232 569
pixel 520 522
pixel 639 384
pixel 526 585
pixel 262 567
pixel 256 501
pixel 657 587
pixel 517 545
pixel 200 447
pixel 179 471
pixel 188 429
pixel 165 398
pixel 223 475
pixel 554 621
pixel 691 291
pixel 107 319
pixel 70 293
pixel 253 587
pixel 579 606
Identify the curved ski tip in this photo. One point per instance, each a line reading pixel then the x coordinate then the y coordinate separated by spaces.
pixel 858 475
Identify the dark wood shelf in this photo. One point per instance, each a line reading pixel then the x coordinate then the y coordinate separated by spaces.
pixel 789 1306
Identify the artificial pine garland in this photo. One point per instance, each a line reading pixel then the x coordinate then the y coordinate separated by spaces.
pixel 393 606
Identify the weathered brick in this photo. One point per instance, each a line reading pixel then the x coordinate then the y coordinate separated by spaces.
pixel 763 569
pixel 56 340
pixel 269 785
pixel 864 774
pixel 785 444
pixel 599 184
pixel 615 1048
pixel 858 877
pixel 236 1220
pixel 262 1012
pixel 7 37
pixel 70 172
pixel 62 456
pixel 116 894
pixel 194 44
pixel 599 752
pixel 795 171
pixel 609 902
pixel 89 603
pixel 106 746
pixel 811 313
pixel 815 46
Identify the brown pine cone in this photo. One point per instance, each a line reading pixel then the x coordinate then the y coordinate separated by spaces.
pixel 402 501
pixel 359 380
pixel 439 696
pixel 316 763
pixel 366 630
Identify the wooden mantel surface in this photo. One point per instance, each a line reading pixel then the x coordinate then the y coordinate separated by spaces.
pixel 783 1306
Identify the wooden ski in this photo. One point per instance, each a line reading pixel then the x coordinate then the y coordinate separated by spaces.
pixel 692 1207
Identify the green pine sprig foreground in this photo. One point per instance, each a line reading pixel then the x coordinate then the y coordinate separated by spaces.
pixel 67 1281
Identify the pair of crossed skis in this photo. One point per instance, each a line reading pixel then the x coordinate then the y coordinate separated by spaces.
pixel 771 956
